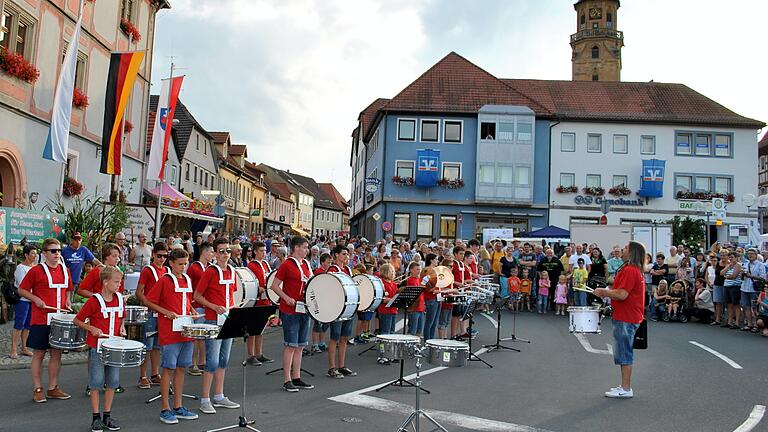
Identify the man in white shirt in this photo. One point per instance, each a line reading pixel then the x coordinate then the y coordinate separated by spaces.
pixel 573 260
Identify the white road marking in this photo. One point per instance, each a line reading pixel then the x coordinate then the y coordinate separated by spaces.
pixel 491 319
pixel 582 338
pixel 722 357
pixel 399 326
pixel 754 418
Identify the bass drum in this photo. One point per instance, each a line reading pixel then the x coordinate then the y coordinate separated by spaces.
pixel 247 292
pixel 332 297
pixel 273 297
pixel 371 290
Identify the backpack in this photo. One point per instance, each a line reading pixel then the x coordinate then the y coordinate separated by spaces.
pixel 10 293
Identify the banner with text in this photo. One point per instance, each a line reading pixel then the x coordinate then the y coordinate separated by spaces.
pixel 35 225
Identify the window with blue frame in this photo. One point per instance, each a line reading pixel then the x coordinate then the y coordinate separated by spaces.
pixel 703 144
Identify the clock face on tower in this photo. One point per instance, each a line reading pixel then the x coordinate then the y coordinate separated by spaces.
pixel 595 13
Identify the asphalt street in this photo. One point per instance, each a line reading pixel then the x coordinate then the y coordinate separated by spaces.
pixel 555 384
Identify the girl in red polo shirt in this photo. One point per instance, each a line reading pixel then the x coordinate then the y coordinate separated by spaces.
pixel 105 312
pixel 147 279
pixel 261 269
pixel 416 313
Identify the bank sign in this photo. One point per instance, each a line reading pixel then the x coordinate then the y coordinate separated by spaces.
pixel 588 200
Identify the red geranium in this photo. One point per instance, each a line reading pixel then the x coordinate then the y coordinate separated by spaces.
pixel 15 65
pixel 127 126
pixel 71 187
pixel 130 30
pixel 79 99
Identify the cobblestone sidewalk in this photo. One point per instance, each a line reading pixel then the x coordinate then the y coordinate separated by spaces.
pixel 24 361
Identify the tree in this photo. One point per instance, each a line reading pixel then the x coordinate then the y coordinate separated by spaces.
pixel 688 232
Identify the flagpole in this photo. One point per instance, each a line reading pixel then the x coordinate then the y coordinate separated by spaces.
pixel 168 124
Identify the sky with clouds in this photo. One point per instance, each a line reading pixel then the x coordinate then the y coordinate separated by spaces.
pixel 289 77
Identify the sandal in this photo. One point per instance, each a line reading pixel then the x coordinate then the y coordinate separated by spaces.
pixel 745 328
pixel 13 356
pixel 714 323
pixel 754 330
pixel 26 353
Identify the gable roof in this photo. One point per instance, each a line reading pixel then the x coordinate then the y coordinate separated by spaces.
pixel 630 102
pixel 368 117
pixel 330 190
pixel 183 129
pixel 322 200
pixel 219 137
pixel 237 149
pixel 764 141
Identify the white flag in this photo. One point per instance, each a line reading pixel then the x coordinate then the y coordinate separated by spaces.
pixel 161 133
pixel 57 144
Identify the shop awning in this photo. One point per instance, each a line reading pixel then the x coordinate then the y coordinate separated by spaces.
pixel 189 214
pixel 300 231
pixel 169 192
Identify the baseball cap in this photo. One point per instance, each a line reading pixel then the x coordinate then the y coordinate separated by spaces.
pixel 77 235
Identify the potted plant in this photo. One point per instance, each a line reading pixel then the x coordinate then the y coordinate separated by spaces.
pixel 567 189
pixel 16 66
pixel 127 126
pixel 403 181
pixel 71 187
pixel 79 99
pixel 620 190
pixel 130 30
pixel 595 191
pixel 451 183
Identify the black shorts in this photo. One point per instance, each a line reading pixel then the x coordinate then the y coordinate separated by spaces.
pixel 38 337
pixel 732 295
pixel 458 310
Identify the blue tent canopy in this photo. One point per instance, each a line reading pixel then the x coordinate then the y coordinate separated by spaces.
pixel 549 231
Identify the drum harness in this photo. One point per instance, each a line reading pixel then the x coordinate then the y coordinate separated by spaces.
pixel 57 287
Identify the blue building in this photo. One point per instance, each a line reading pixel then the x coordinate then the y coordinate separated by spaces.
pixel 455 152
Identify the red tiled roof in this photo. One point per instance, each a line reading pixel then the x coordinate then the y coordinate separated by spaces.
pixel 367 116
pixel 237 149
pixel 219 137
pixel 764 141
pixel 333 193
pixel 629 101
pixel 150 129
pixel 282 190
pixel 456 85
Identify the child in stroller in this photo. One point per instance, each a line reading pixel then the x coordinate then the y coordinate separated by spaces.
pixel 676 301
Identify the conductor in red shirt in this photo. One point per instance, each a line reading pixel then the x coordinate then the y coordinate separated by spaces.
pixel 628 301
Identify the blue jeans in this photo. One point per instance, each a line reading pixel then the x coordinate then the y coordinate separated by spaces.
pixel 99 374
pixel 580 298
pixel 542 304
pixel 445 318
pixel 22 315
pixel 176 355
pixel 295 329
pixel 341 329
pixel 623 338
pixel 387 323
pixel 416 323
pixel 216 352
pixel 151 327
pixel 432 316
pixel 654 308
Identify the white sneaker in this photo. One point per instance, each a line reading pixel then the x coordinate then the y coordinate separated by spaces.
pixel 619 392
pixel 207 408
pixel 225 403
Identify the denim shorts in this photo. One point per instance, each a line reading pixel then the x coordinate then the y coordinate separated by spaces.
pixel 216 352
pixel 445 318
pixel 22 315
pixel 295 329
pixel 319 327
pixel 38 337
pixel 748 299
pixel 176 355
pixel 623 339
pixel 387 323
pixel 514 297
pixel 733 295
pixel 99 375
pixel 151 327
pixel 718 295
pixel 365 316
pixel 341 329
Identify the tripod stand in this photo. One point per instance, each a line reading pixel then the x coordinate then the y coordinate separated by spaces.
pixel 468 314
pixel 413 418
pixel 513 338
pixel 404 299
pixel 244 322
pixel 498 344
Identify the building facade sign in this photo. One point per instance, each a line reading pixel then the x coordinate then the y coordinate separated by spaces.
pixel 587 200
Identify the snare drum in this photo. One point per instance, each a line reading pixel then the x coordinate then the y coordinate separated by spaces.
pixel 397 346
pixel 136 315
pixel 136 332
pixel 131 282
pixel 456 299
pixel 447 353
pixel 201 331
pixel 584 319
pixel 122 353
pixel 65 334
pixel 332 297
pixel 273 297
pixel 371 290
pixel 247 292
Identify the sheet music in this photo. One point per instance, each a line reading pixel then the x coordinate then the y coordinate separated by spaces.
pixel 393 300
pixel 180 322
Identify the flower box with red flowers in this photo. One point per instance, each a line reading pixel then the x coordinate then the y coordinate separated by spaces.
pixel 130 30
pixel 567 189
pixel 79 99
pixel 127 126
pixel 403 181
pixel 620 191
pixel 704 196
pixel 71 187
pixel 595 191
pixel 451 183
pixel 14 65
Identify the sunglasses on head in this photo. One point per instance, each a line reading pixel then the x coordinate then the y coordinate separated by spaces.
pixel 53 250
pixel 223 251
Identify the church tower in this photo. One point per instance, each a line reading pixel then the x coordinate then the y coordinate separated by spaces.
pixel 596 45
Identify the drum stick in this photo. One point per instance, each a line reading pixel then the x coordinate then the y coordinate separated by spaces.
pixel 57 309
pixel 586 289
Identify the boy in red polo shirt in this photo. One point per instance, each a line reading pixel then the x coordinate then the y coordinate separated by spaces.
pixel 195 272
pixel 416 314
pixel 216 294
pixel 105 312
pixel 46 286
pixel 147 279
pixel 171 298
pixel 290 284
pixel 92 282
pixel 318 328
pixel 261 269
pixel 341 331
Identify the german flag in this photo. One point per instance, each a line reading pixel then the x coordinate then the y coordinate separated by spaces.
pixel 123 68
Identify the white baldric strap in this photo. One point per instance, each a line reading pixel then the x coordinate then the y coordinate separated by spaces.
pixel 265 270
pixel 105 311
pixel 57 287
pixel 154 272
pixel 304 277
pixel 183 291
pixel 226 282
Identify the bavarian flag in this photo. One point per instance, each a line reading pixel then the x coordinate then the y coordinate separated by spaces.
pixel 123 68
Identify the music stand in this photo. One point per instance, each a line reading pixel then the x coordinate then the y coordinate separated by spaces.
pixel 404 299
pixel 243 322
pixel 471 307
pixel 498 344
pixel 281 368
pixel 170 387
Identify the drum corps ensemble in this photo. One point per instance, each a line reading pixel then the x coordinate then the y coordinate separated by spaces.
pixel 174 326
